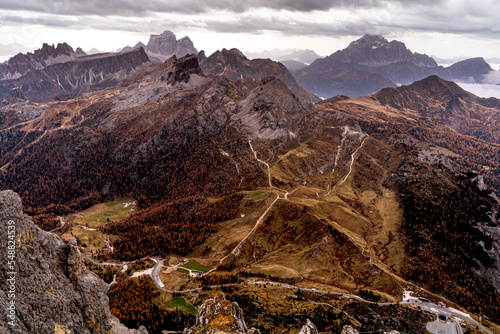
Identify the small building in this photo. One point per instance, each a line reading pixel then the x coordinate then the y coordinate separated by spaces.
pixel 183 261
pixel 196 273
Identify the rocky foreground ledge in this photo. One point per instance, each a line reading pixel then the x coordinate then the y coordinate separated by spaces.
pixel 45 286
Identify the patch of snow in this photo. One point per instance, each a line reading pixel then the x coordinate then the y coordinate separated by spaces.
pixel 126 205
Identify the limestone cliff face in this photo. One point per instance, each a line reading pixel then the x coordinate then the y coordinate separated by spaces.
pixel 54 291
pixel 163 46
pixel 220 316
pixel 84 74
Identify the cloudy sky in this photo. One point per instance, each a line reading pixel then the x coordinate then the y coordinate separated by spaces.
pixel 444 28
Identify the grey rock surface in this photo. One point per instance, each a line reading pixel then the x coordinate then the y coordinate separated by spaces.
pixel 219 316
pixel 309 328
pixel 54 290
pixel 47 55
pixel 163 46
pixel 73 77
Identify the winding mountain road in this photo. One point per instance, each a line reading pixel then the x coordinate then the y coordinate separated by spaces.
pixel 427 306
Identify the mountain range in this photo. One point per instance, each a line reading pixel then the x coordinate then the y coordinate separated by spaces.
pixel 238 170
pixel 20 64
pixel 293 59
pixel 372 63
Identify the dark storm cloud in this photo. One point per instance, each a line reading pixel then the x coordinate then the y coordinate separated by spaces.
pixel 134 7
pixel 289 17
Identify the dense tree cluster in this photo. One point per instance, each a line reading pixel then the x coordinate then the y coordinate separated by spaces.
pixel 445 248
pixel 218 279
pixel 175 227
pixel 106 273
pixel 474 154
pixel 393 317
pixel 131 301
pixel 69 170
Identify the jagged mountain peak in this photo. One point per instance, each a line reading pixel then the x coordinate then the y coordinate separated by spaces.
pixel 163 46
pixel 44 53
pixel 375 50
pixel 47 55
pixel 182 69
pixel 268 110
pixel 234 65
pixel 309 328
pixel 230 54
pixel 369 40
pixel 75 76
pixel 220 316
pixel 62 48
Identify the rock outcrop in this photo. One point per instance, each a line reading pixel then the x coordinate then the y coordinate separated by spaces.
pixel 21 64
pixel 308 328
pixel 163 46
pixel 235 66
pixel 52 290
pixel 16 95
pixel 349 330
pixel 268 110
pixel 220 316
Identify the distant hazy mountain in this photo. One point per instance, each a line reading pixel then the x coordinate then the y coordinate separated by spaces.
pixel 389 63
pixel 20 64
pixel 94 51
pixel 12 49
pixel 293 65
pixel 163 46
pixel 130 48
pixel 303 56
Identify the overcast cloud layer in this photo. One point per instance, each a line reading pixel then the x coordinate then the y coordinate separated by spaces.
pixel 445 25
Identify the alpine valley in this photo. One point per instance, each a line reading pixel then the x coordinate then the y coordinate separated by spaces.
pixel 215 194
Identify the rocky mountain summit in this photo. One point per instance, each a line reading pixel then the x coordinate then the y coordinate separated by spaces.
pixel 233 65
pixel 308 328
pixel 349 330
pixel 220 316
pixel 165 45
pixel 47 55
pixel 305 56
pixel 16 95
pixel 54 290
pixel 372 63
